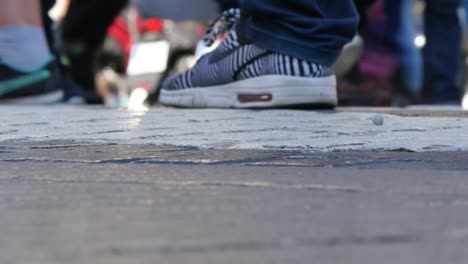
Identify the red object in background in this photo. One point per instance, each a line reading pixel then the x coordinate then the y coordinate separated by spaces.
pixel 120 32
pixel 151 25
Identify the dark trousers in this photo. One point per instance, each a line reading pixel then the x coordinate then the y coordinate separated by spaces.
pixel 82 32
pixel 441 56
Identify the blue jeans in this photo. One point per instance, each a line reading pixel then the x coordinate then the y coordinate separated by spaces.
pixel 438 69
pixel 313 30
pixel 399 36
pixel 466 11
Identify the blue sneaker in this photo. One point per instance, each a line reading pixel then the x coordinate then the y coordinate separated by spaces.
pixel 30 87
pixel 239 74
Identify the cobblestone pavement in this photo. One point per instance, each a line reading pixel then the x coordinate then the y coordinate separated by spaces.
pixel 87 185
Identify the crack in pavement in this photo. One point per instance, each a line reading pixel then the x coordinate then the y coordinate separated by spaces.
pixel 210 184
pixel 108 153
pixel 242 246
pixel 268 185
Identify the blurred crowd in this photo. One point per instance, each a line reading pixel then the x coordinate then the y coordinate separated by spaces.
pixel 407 52
pixel 412 54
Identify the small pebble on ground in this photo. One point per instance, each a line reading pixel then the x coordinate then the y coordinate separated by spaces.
pixel 378 120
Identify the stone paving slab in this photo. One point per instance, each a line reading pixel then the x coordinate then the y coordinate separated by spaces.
pixel 164 213
pixel 242 129
pixel 91 185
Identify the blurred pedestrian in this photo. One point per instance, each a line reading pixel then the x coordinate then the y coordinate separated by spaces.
pixel 277 54
pixel 442 52
pixel 84 29
pixel 414 54
pixel 27 68
pixel 437 72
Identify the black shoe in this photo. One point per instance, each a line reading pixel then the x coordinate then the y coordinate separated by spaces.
pixel 30 87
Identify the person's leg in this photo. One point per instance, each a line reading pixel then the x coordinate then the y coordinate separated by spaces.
pixel 442 52
pixel 369 83
pixel 227 4
pixel 362 7
pixel 27 73
pixel 410 53
pixel 84 29
pixel 313 30
pixel 20 12
pixel 400 36
pixel 72 92
pixel 278 55
pixel 22 38
pixel 465 97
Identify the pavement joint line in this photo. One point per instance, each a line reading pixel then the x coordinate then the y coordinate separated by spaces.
pixel 266 185
pixel 86 153
pixel 259 246
pixel 216 184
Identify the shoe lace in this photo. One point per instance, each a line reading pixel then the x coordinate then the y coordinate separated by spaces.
pixel 221 25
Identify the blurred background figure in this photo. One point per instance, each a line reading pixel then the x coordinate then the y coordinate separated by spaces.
pixel 465 62
pixel 81 33
pixel 412 52
pixel 442 53
pixel 28 73
pixel 58 10
pixel 52 12
pixel 368 82
pixel 412 55
pixel 132 47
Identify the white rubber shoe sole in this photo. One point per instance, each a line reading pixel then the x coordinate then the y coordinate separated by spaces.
pixel 268 91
